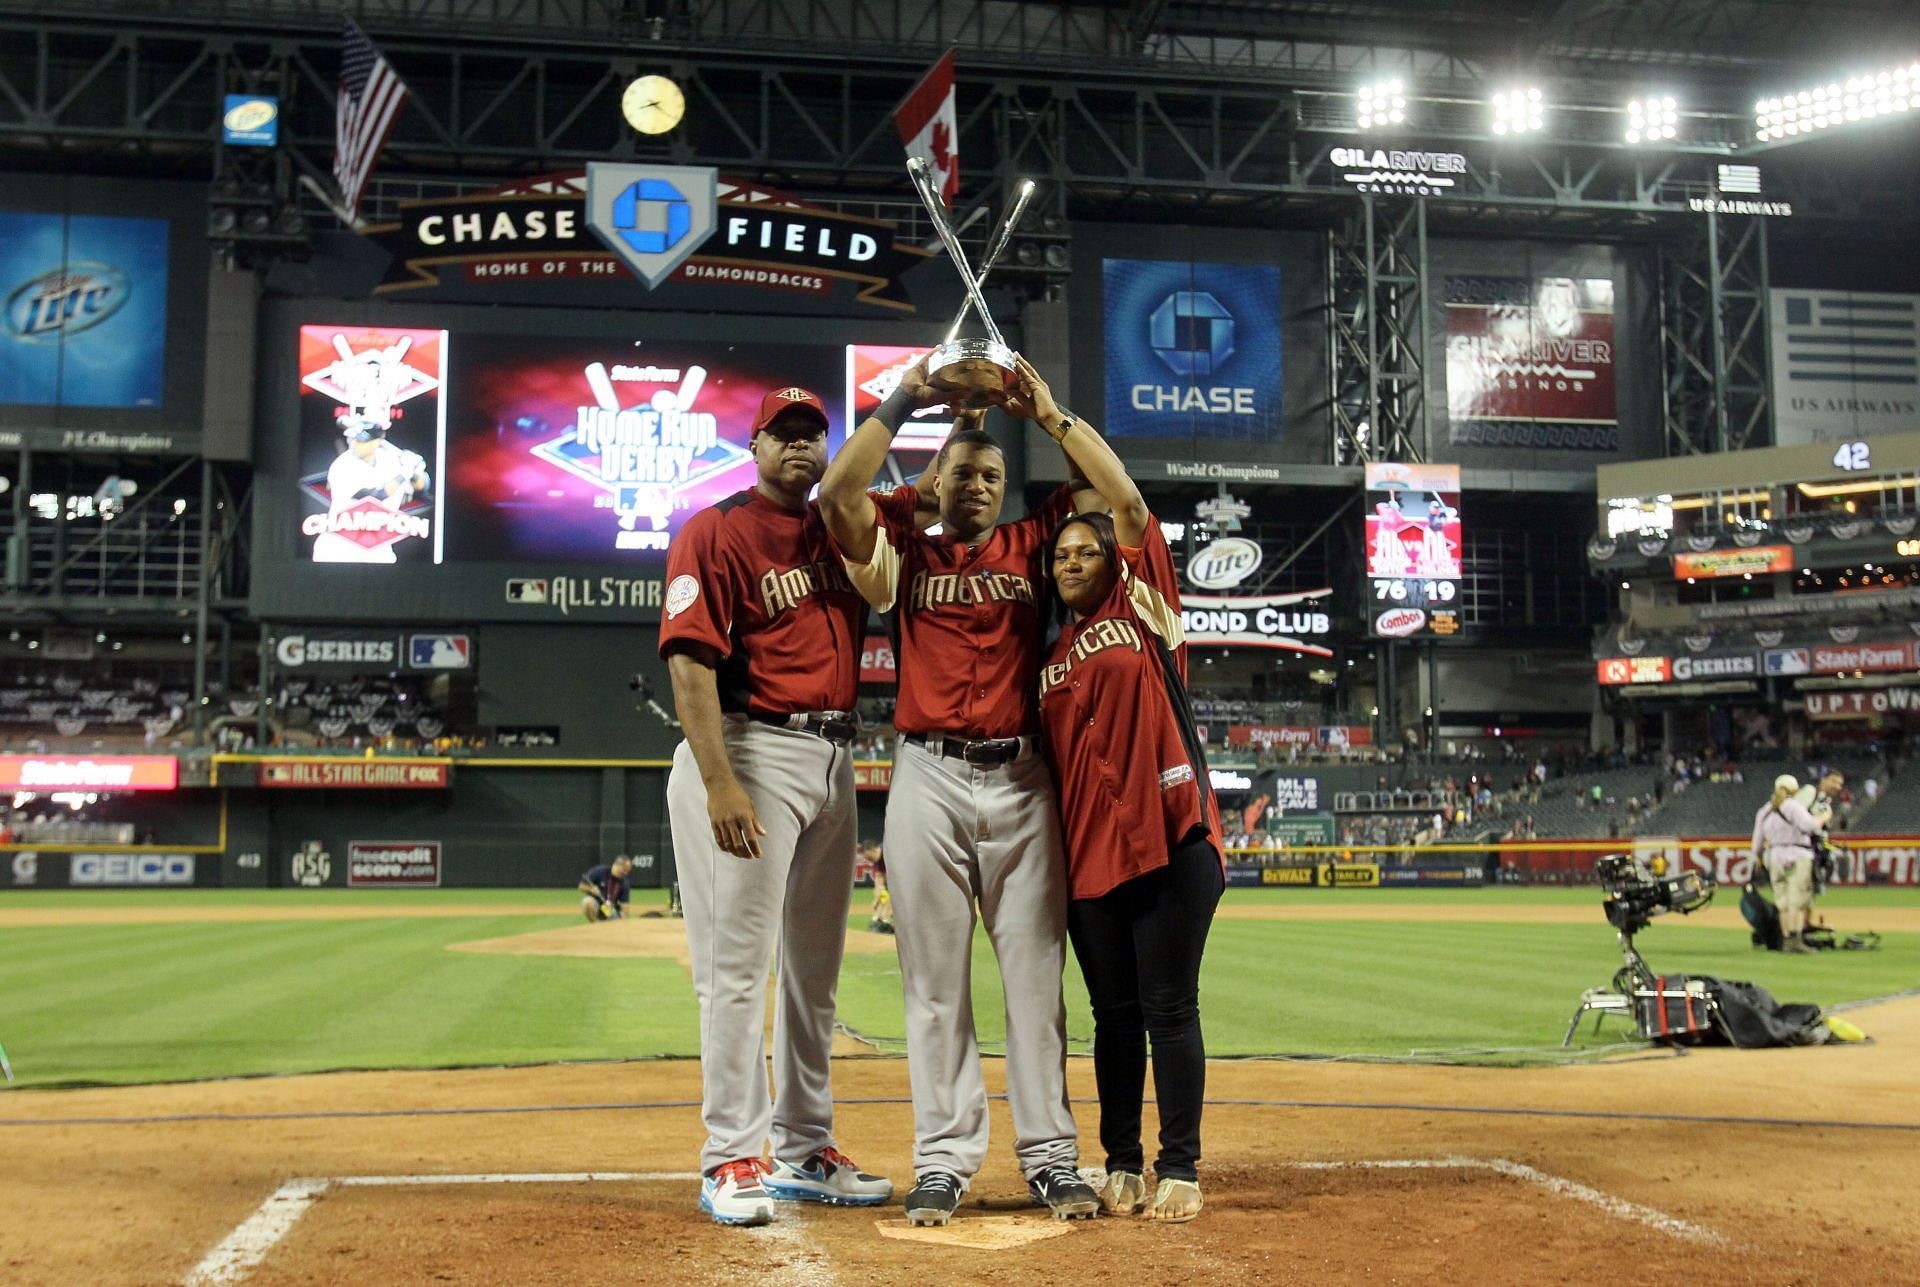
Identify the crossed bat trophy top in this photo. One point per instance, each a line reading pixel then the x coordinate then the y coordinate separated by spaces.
pixel 974 371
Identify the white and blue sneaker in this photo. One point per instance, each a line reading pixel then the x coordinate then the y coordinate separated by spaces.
pixel 828 1176
pixel 734 1194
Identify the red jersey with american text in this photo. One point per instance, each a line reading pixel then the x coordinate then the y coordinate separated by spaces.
pixel 762 587
pixel 1119 732
pixel 967 617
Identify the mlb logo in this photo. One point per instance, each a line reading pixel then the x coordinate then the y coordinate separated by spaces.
pixel 1789 661
pixel 526 590
pixel 439 652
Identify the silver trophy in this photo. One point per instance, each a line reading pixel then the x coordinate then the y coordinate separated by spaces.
pixel 971 371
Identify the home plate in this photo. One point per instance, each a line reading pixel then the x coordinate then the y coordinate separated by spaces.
pixel 979 1233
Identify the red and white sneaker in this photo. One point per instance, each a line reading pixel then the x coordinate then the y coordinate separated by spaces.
pixel 734 1194
pixel 828 1176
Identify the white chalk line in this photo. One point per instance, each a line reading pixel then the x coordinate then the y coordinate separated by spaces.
pixel 243 1249
pixel 248 1245
pixel 1559 1186
pixel 240 1251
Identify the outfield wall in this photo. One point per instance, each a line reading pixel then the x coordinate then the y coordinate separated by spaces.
pixel 278 822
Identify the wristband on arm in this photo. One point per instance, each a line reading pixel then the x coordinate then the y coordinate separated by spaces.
pixel 894 411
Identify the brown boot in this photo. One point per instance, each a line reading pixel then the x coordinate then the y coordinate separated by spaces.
pixel 1796 944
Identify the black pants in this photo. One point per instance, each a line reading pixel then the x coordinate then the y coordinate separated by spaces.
pixel 1139 946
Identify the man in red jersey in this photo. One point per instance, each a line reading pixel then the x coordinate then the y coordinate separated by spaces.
pixel 761 632
pixel 970 811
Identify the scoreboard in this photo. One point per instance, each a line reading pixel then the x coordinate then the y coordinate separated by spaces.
pixel 1414 549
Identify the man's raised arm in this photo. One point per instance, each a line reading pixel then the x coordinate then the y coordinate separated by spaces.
pixel 851 518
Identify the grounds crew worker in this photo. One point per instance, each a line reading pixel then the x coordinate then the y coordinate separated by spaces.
pixel 604 890
pixel 1783 834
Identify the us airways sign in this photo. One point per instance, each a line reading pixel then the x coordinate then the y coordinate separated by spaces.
pixel 658 223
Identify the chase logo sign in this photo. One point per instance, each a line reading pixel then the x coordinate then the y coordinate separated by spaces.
pixel 653 217
pixel 64 301
pixel 1192 349
pixel 1192 333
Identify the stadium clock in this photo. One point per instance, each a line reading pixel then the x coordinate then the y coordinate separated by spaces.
pixel 653 104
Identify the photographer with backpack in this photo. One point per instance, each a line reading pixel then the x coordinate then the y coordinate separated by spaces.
pixel 1783 833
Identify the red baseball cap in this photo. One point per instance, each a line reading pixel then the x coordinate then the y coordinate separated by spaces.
pixel 781 401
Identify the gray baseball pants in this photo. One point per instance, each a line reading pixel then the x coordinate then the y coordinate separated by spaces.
pixel 798 891
pixel 957 834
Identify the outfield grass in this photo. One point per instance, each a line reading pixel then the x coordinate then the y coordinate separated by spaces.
pixel 133 1003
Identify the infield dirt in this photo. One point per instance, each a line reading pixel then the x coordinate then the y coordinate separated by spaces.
pixel 1801 1162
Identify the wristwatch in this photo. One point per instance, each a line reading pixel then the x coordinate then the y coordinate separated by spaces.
pixel 1067 421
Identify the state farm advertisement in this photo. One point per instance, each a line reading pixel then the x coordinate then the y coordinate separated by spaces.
pixel 1836 659
pixel 321 772
pixel 372 431
pixel 1872 860
pixel 89 772
pixel 393 864
pixel 1324 736
pixel 877 664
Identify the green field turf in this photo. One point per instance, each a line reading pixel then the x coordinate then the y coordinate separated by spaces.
pixel 132 1003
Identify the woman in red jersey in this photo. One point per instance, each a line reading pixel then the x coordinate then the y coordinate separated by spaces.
pixel 1142 826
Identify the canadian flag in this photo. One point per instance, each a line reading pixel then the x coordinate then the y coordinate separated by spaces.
pixel 928 126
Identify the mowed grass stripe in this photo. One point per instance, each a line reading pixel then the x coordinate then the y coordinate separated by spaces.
pixel 169 1001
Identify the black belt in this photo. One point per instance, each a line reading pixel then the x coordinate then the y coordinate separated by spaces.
pixel 832 725
pixel 998 750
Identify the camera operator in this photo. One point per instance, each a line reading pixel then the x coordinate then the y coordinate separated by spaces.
pixel 1825 802
pixel 1783 833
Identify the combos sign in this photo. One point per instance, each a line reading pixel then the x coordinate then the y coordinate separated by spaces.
pixel 661 223
pixel 1192 350
pixel 1749 562
pixel 362 774
pixel 393 864
pixel 1259 621
pixel 1862 705
pixel 89 773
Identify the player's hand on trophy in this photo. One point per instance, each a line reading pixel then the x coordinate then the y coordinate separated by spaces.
pixel 914 381
pixel 1030 398
pixel 736 825
pixel 965 418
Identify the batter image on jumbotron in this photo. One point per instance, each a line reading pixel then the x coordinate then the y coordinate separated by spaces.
pixel 580 449
pixel 371 432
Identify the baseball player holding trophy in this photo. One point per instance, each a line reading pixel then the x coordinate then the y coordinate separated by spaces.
pixel 971 818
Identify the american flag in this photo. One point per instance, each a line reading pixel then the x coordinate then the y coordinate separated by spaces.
pixel 371 95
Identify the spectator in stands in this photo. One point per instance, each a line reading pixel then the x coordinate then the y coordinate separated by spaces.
pixel 1783 832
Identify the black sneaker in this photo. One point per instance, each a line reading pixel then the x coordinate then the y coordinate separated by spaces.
pixel 1062 1189
pixel 934 1197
